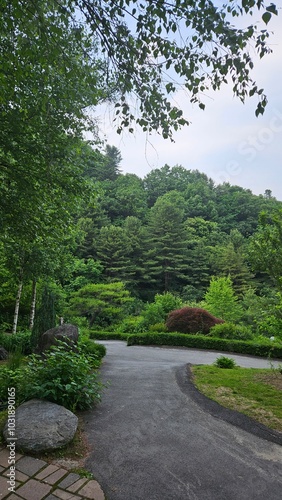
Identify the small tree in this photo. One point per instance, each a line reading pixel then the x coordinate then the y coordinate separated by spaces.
pixel 221 300
pixel 157 311
pixel 101 304
pixel 45 317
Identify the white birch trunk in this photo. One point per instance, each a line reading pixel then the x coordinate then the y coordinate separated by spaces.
pixel 33 305
pixel 17 306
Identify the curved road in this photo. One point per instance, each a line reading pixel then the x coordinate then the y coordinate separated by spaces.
pixel 152 438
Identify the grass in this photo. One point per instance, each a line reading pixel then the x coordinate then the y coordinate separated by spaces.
pixel 255 392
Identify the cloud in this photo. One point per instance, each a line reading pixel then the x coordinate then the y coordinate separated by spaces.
pixel 226 141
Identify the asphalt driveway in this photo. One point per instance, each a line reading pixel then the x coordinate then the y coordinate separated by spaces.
pixel 154 437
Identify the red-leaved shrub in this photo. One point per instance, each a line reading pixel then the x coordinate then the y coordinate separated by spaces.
pixel 191 320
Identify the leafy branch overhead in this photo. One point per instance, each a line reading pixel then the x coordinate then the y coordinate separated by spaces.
pixel 154 48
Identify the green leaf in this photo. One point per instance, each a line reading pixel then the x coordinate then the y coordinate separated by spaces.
pixel 266 17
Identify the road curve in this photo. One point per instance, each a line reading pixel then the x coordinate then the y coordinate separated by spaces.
pixel 152 439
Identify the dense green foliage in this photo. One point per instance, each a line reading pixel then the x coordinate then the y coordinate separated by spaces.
pixel 128 271
pixel 118 251
pixel 62 376
pixel 255 348
pixel 20 342
pixel 224 362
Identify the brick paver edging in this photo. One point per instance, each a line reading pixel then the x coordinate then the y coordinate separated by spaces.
pixel 28 478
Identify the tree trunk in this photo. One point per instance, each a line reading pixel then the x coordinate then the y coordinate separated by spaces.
pixel 17 306
pixel 33 305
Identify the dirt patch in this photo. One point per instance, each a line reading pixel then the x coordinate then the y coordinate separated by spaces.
pixel 274 379
pixel 226 397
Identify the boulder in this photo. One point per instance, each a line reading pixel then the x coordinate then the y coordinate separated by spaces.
pixel 42 426
pixel 65 332
pixel 3 354
pixel 191 320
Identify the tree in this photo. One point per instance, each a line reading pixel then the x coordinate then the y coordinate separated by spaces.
pixel 45 318
pixel 112 248
pixel 221 300
pixel 151 48
pixel 162 180
pixel 231 260
pixel 112 163
pixel 265 246
pixel 48 77
pixel 201 237
pixel 125 197
pixel 101 304
pixel 165 243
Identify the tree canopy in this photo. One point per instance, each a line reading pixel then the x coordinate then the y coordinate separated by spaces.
pixel 150 48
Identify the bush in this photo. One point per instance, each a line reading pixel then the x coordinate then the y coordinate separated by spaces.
pixel 16 342
pixel 168 302
pixel 253 348
pixel 134 324
pixel 191 320
pixel 157 311
pixel 61 376
pixel 158 327
pixel 101 335
pixel 12 378
pixel 224 362
pixel 96 350
pixel 231 331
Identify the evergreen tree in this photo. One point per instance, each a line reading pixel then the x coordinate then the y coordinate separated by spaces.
pixel 165 243
pixel 221 301
pixel 102 304
pixel 112 249
pixel 45 317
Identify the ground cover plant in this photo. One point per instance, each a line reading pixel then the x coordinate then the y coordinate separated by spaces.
pixel 63 376
pixel 255 392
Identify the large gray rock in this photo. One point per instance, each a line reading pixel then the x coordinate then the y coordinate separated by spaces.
pixel 66 332
pixel 41 426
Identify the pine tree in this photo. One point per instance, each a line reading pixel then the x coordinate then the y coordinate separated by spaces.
pixel 166 243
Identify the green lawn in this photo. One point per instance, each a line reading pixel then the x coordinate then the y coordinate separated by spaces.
pixel 256 393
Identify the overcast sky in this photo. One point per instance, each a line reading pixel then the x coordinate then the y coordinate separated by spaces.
pixel 226 141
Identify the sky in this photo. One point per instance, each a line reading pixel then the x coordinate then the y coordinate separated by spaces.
pixel 226 141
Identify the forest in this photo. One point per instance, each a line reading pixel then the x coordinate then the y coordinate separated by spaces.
pixel 137 248
pixel 111 250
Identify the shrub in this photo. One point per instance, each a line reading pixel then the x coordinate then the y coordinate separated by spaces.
pixel 134 324
pixel 254 348
pixel 63 377
pixel 102 335
pixel 157 311
pixel 98 351
pixel 191 320
pixel 16 378
pixel 231 331
pixel 168 302
pixel 224 362
pixel 16 342
pixel 158 327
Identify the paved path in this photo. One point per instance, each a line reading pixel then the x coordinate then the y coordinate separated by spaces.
pixel 37 480
pixel 153 440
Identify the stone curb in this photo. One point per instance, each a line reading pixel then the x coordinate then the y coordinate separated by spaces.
pixel 28 478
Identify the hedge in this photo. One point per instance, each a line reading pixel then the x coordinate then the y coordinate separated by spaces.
pixel 100 335
pixel 203 342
